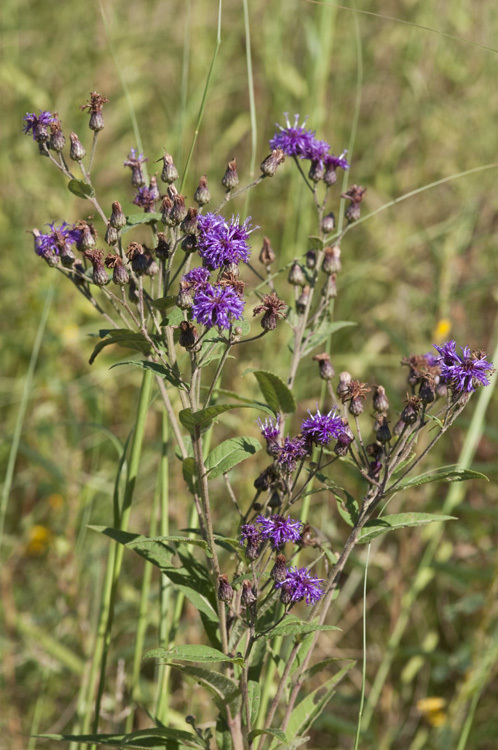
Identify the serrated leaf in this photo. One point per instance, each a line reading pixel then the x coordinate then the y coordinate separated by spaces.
pixel 165 372
pixel 204 417
pixel 230 453
pixel 322 333
pixel 122 337
pixel 378 526
pixel 276 394
pixel 144 739
pixel 307 711
pixel 192 652
pixel 134 220
pixel 271 732
pixel 439 475
pixel 80 189
pixel 295 626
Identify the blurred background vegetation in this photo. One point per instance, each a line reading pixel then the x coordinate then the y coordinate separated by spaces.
pixel 421 271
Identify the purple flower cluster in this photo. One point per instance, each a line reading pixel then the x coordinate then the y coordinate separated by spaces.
pixel 465 371
pixel 296 140
pixel 217 306
pixel 221 243
pixel 321 428
pixel 292 451
pixel 196 278
pixel 146 198
pixel 300 584
pixel 270 428
pixel 275 529
pixel 56 240
pixel 38 124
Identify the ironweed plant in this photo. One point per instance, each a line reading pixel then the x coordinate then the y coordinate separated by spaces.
pixel 181 302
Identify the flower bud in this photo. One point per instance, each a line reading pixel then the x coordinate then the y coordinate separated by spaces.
pixel 329 290
pixel 356 406
pixel 153 189
pixel 163 247
pixel 328 223
pixel 279 571
pixel 248 595
pixel 57 139
pixel 67 256
pixel 87 236
pixel 382 431
pixel 189 224
pixel 331 260
pixel 266 256
pixel 427 392
pixel 344 381
pixel 326 370
pixel 375 469
pixel 111 235
pixel 286 594
pixel 252 550
pixel 76 151
pixel 275 500
pixel 409 415
pixel 120 275
pixel 189 243
pixel 225 591
pixel 374 450
pixel 152 266
pixel 311 259
pixel 184 299
pixel 178 211
pixel 270 165
pixel 99 276
pixel 316 171
pixel 341 447
pixel 169 173
pixel 353 212
pixel 302 301
pixel 137 176
pixel 133 291
pixel 263 481
pixel 380 402
pixel 231 178
pixel 202 194
pixel 117 218
pixel 296 275
pixel 166 207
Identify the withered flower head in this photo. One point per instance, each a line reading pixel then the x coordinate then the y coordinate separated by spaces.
pixel 327 372
pixel 270 165
pixel 96 102
pixel 134 249
pixel 230 278
pixel 355 193
pixel 266 256
pixel 274 309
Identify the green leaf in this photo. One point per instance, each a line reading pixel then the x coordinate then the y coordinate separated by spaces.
pixel 163 303
pixel 222 733
pixel 315 243
pixel 204 417
pixel 254 697
pixel 294 626
pixel 307 711
pixel 317 668
pixel 165 372
pixel 271 732
pixel 230 453
pixel 348 509
pixel 122 337
pixel 192 652
pixel 80 189
pixel 134 220
pixel 144 739
pixel 215 683
pixel 445 474
pixel 322 333
pixel 275 392
pixel 378 526
pixel 173 318
pixel 189 472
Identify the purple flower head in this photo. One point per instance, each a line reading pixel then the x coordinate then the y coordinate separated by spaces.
pixel 270 428
pixel 133 160
pixel 318 151
pixel 300 584
pixel 431 359
pixel 321 428
pixel 294 140
pixel 217 306
pixel 145 197
pixel 291 452
pixel 221 243
pixel 196 278
pixel 57 239
pixel 250 533
pixel 279 530
pixel 333 162
pixel 34 123
pixel 465 371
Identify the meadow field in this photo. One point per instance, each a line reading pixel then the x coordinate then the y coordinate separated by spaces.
pixel 410 89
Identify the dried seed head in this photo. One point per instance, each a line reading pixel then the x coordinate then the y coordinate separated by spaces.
pixel 274 309
pixel 427 391
pixel 202 194
pixel 163 247
pixel 189 224
pixel 225 591
pixel 169 172
pixel 266 256
pixel 409 415
pixel 249 595
pixel 166 207
pixel 178 211
pixel 270 165
pixel 327 372
pixel 231 178
pixel 57 139
pixel 87 235
pixel 94 106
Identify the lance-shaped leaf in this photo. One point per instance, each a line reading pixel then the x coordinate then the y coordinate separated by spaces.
pixel 122 337
pixel 270 732
pixel 322 333
pixel 294 626
pixel 204 417
pixel 134 220
pixel 192 652
pixel 445 474
pixel 276 394
pixel 144 739
pixel 165 372
pixel 229 453
pixel 81 189
pixel 378 526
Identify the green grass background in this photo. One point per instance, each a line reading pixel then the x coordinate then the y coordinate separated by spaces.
pixel 427 109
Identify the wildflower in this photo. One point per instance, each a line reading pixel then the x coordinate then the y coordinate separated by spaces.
pixel 230 178
pixel 355 194
pixel 252 535
pixel 279 530
pixel 291 452
pixel 120 275
pixel 326 369
pixel 217 306
pixel 331 163
pixel 76 150
pixel 117 219
pixel 270 428
pixel 145 198
pixel 274 310
pixel 321 428
pixel 135 163
pixel 202 194
pixel 300 584
pixel 221 243
pixel 270 165
pixel 465 371
pixel 57 139
pixel 196 278
pixel 169 172
pixel 57 240
pixel 267 255
pixel 249 594
pixel 279 571
pixel 94 106
pixel 293 140
pixel 225 590
pixel 38 125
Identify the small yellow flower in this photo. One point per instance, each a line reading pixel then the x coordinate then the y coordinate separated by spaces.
pixel 442 330
pixel 39 539
pixel 432 709
pixel 56 501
